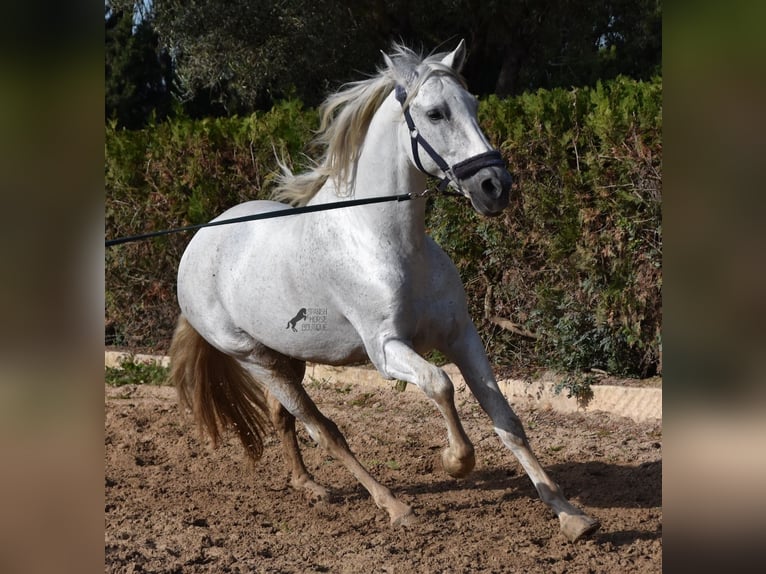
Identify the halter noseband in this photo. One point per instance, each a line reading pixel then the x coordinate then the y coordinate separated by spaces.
pixel 461 170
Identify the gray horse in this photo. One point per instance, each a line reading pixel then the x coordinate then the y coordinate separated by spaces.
pixel 387 293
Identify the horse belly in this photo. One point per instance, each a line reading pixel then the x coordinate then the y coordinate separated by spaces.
pixel 283 296
pixel 309 330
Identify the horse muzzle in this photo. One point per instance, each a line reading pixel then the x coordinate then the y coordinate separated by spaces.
pixel 489 190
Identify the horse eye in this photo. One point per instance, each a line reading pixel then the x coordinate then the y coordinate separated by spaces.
pixel 435 115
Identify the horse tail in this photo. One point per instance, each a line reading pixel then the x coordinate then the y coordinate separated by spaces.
pixel 220 393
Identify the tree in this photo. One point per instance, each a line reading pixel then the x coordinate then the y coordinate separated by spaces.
pixel 236 56
pixel 138 78
pixel 245 54
pixel 524 45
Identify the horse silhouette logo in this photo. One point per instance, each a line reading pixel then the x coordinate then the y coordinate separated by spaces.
pixel 300 316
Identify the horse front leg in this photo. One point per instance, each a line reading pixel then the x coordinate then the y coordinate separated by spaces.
pixel 402 362
pixel 468 354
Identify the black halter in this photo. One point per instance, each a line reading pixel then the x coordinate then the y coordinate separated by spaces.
pixel 461 170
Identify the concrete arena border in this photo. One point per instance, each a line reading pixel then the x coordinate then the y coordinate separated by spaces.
pixel 641 404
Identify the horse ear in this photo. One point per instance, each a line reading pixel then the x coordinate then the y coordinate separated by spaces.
pixel 387 59
pixel 456 58
pixel 399 75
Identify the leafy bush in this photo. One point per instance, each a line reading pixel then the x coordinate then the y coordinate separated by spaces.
pixel 575 262
pixel 577 258
pixel 133 372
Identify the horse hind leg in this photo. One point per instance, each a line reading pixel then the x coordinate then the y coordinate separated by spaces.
pixel 278 374
pixel 300 479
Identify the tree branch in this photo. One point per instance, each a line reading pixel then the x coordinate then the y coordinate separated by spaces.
pixel 513 328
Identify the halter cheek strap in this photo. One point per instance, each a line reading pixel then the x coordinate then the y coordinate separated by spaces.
pixel 455 173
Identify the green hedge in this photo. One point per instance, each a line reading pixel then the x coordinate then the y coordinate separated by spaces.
pixel 575 261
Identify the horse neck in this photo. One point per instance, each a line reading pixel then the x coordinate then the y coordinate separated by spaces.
pixel 384 170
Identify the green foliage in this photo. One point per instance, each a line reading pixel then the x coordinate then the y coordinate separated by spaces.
pixel 400 386
pixel 237 56
pixel 517 45
pixel 244 55
pixel 138 73
pixel 132 372
pixel 577 385
pixel 576 259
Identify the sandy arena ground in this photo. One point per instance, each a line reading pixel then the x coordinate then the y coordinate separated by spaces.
pixel 173 504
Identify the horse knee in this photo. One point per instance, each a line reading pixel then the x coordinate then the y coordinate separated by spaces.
pixel 438 386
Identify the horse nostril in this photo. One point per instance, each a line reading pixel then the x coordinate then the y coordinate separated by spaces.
pixel 491 187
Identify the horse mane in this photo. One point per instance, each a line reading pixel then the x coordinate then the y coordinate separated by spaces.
pixel 344 118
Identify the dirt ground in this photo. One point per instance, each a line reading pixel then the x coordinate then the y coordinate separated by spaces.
pixel 173 504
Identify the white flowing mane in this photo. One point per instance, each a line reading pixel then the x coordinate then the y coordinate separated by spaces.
pixel 345 117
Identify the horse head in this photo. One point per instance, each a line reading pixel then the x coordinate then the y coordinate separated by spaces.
pixel 441 120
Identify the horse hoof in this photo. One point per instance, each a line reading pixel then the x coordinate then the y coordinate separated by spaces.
pixel 317 495
pixel 314 493
pixel 408 518
pixel 457 467
pixel 576 526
